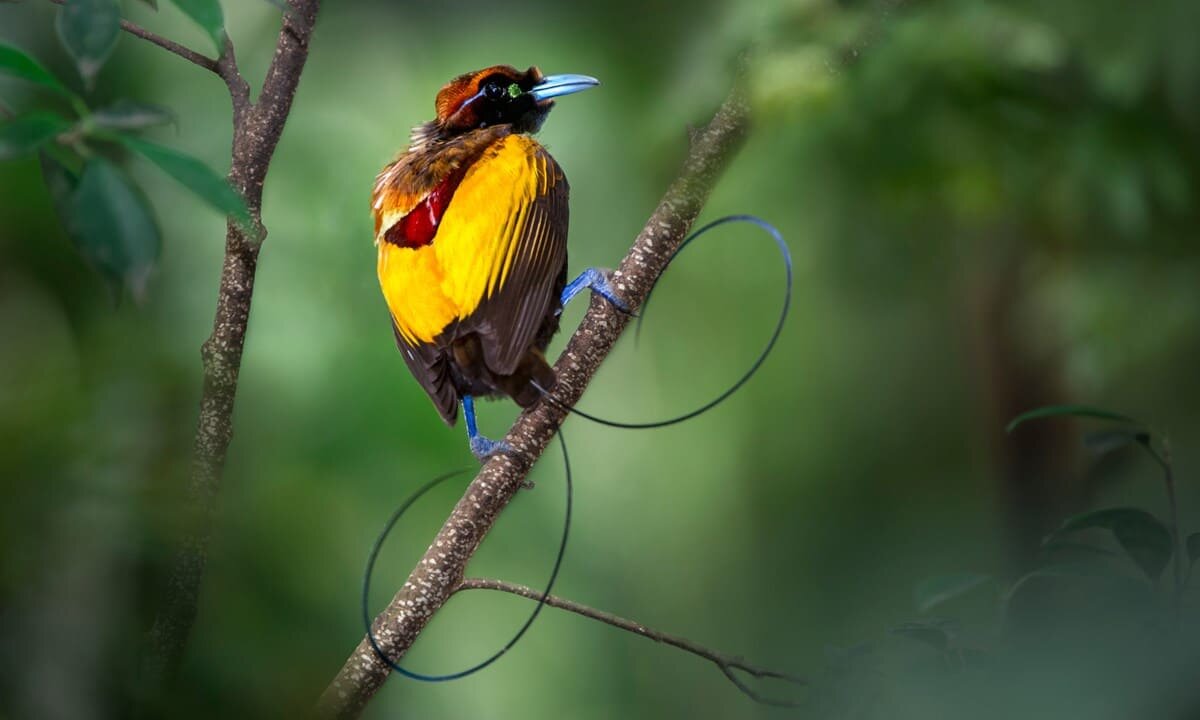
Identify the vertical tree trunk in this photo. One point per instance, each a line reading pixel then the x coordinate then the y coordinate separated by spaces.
pixel 1015 370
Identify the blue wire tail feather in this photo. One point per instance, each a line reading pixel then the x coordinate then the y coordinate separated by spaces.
pixel 387 529
pixel 754 367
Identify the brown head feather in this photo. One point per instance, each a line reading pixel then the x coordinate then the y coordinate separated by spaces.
pixel 454 94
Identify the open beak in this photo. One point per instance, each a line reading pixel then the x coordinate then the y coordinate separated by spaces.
pixel 553 86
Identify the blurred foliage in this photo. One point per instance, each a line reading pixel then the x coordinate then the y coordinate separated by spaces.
pixel 992 207
pixel 1082 606
pixel 103 212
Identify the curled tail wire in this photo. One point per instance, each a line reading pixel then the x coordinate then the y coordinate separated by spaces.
pixel 754 367
pixel 387 529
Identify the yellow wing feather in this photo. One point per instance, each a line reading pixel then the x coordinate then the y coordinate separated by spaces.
pixel 472 253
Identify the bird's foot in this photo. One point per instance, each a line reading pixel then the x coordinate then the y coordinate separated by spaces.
pixel 483 448
pixel 599 280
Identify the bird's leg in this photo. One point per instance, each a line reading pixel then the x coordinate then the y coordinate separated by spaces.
pixel 597 279
pixel 481 447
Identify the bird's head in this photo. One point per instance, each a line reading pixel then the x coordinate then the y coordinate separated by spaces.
pixel 501 95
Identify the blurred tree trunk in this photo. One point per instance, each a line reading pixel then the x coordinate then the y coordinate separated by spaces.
pixel 1015 369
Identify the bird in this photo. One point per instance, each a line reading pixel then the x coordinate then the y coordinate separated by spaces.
pixel 471 234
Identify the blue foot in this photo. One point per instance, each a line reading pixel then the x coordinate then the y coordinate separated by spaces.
pixel 481 447
pixel 597 280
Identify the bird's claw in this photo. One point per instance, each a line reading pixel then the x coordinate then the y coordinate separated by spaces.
pixel 483 448
pixel 599 281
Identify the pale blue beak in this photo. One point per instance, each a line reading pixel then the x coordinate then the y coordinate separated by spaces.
pixel 553 86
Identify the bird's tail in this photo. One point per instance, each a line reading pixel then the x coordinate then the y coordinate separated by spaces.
pixel 533 367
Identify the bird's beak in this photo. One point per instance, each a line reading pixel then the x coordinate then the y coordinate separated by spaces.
pixel 553 86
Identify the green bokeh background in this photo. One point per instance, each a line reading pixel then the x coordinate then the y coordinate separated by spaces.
pixel 991 206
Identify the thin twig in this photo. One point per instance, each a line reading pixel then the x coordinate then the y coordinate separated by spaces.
pixel 441 570
pixel 726 663
pixel 169 45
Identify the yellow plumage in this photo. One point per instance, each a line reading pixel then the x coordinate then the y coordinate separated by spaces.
pixel 472 254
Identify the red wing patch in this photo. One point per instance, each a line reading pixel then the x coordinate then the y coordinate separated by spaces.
pixel 419 226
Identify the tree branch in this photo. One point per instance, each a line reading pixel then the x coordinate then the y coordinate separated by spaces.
pixel 239 89
pixel 169 45
pixel 257 129
pixel 439 573
pixel 726 663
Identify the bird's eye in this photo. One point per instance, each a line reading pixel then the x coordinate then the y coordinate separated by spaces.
pixel 493 91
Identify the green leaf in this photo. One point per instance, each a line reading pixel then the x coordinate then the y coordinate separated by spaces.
pixel 16 63
pixel 1056 597
pixel 1068 410
pixel 195 176
pixel 932 592
pixel 936 632
pixel 26 133
pixel 60 180
pixel 111 223
pixel 1146 540
pixel 1106 441
pixel 130 115
pixel 1052 573
pixel 61 183
pixel 207 14
pixel 1193 547
pixel 1053 545
pixel 89 30
pixel 151 3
